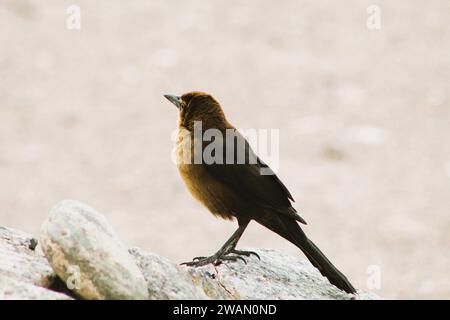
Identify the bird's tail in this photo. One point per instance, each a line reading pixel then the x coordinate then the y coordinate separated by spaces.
pixel 289 229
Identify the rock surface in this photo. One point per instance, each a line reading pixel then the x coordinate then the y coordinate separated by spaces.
pixel 24 271
pixel 14 289
pixel 18 260
pixel 83 250
pixel 276 276
pixel 87 255
pixel 167 280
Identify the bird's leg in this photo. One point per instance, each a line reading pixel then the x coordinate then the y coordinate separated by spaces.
pixel 227 252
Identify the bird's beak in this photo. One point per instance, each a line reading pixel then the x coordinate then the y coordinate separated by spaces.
pixel 176 100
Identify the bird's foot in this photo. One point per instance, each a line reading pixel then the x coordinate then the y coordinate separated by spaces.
pixel 245 253
pixel 218 258
pixel 214 259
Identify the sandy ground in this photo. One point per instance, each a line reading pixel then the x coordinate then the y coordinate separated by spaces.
pixel 364 121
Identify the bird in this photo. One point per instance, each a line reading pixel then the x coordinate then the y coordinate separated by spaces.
pixel 236 190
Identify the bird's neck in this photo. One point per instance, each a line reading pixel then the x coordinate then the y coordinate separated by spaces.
pixel 219 123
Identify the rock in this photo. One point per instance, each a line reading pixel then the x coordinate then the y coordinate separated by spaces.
pixel 166 280
pixel 84 252
pixel 276 276
pixel 87 255
pixel 25 273
pixel 14 289
pixel 18 261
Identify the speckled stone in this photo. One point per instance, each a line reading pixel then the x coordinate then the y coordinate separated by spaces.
pixel 88 256
pixel 13 289
pixel 20 259
pixel 276 276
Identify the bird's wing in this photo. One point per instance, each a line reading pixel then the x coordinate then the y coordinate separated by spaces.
pixel 246 179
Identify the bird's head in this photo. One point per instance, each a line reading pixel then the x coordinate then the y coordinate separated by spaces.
pixel 198 106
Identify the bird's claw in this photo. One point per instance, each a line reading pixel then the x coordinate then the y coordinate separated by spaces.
pixel 201 261
pixel 231 255
pixel 198 258
pixel 233 258
pixel 194 262
pixel 245 253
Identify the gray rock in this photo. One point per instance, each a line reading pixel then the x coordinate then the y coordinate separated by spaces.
pixel 276 276
pixel 18 261
pixel 166 280
pixel 14 289
pixel 25 273
pixel 87 255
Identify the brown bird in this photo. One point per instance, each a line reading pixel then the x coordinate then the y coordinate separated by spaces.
pixel 230 189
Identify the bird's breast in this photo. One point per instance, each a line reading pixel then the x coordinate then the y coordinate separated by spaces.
pixel 205 188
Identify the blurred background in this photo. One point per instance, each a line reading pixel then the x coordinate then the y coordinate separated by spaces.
pixel 364 119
